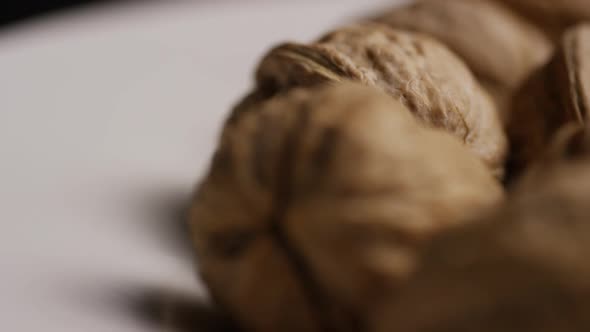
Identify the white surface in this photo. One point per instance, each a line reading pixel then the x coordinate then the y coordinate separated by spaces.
pixel 108 116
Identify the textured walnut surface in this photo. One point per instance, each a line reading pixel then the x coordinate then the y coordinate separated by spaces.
pixel 554 96
pixel 500 47
pixel 553 16
pixel 316 202
pixel 413 68
pixel 524 268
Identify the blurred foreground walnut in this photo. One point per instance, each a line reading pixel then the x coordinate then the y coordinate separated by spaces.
pixel 413 68
pixel 553 16
pixel 500 47
pixel 523 269
pixel 554 96
pixel 316 202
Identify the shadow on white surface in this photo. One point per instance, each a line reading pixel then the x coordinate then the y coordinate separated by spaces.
pixel 151 308
pixel 174 311
pixel 167 220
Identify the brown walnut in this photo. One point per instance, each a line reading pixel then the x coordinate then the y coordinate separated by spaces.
pixel 523 268
pixel 553 16
pixel 316 202
pixel 499 47
pixel 418 71
pixel 554 96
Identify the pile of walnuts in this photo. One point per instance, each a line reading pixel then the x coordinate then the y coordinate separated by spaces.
pixel 426 169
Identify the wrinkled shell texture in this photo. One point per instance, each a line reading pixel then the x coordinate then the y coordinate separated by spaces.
pixel 554 96
pixel 318 200
pixel 413 68
pixel 500 47
pixel 524 268
pixel 554 16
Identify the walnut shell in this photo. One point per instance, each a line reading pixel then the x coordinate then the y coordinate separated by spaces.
pixel 500 48
pixel 553 16
pixel 415 69
pixel 524 268
pixel 316 201
pixel 570 144
pixel 554 96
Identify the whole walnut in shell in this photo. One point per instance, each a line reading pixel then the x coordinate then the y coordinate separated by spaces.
pixel 499 47
pixel 554 96
pixel 316 202
pixel 553 16
pixel 413 68
pixel 523 268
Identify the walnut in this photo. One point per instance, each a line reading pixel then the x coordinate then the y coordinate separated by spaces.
pixel 523 268
pixel 316 202
pixel 413 68
pixel 571 143
pixel 501 48
pixel 554 96
pixel 553 16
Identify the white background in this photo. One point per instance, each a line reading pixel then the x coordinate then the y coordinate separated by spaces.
pixel 108 116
